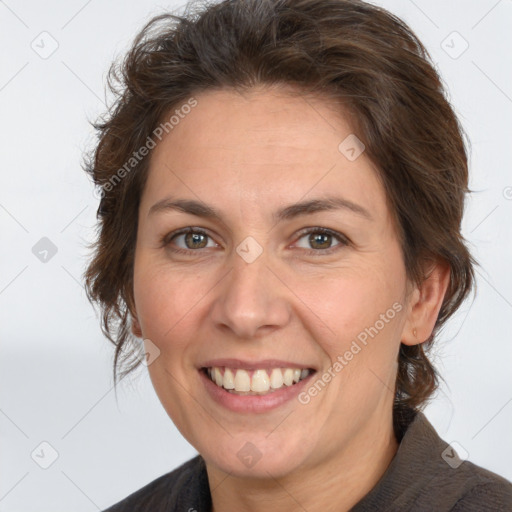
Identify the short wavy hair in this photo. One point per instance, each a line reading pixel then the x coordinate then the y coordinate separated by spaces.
pixel 357 56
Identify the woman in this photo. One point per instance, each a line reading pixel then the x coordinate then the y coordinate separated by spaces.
pixel 282 191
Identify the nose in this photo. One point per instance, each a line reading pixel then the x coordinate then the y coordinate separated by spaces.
pixel 251 301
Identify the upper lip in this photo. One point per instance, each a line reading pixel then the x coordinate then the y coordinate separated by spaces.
pixel 253 365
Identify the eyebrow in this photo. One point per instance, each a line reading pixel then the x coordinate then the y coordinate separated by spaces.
pixel 309 207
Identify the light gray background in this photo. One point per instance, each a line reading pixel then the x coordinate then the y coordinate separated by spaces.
pixel 55 370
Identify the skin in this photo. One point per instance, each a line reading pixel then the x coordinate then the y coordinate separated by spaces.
pixel 249 155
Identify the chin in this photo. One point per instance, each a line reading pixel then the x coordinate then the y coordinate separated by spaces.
pixel 258 456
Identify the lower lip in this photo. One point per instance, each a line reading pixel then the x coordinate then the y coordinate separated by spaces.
pixel 252 403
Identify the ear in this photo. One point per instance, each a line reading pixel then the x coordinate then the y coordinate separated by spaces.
pixel 425 301
pixel 136 330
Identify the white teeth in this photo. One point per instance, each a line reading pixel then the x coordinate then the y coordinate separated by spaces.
pixel 242 381
pixel 288 377
pixel 276 379
pixel 229 380
pixel 218 377
pixel 260 381
pixel 256 381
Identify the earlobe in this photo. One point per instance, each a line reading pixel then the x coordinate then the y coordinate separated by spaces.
pixel 426 301
pixel 135 327
pixel 136 330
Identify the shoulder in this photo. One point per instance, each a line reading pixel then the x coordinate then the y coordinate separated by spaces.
pixel 184 485
pixel 471 488
pixel 465 488
pixel 428 474
pixel 451 483
pixel 492 495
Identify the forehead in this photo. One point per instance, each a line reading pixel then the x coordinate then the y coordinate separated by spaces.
pixel 265 147
pixel 271 121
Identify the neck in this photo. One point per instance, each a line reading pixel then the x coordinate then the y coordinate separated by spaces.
pixel 336 484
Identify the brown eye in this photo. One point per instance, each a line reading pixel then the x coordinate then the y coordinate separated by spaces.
pixel 195 240
pixel 321 240
pixel 188 240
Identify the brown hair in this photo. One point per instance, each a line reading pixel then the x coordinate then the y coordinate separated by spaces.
pixel 350 52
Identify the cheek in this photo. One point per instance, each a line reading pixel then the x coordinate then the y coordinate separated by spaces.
pixel 352 301
pixel 166 300
pixel 365 312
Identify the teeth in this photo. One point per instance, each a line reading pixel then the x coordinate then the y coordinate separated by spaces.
pixel 288 377
pixel 229 380
pixel 242 382
pixel 218 377
pixel 260 381
pixel 276 379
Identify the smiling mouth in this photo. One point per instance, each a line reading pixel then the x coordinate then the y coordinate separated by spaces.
pixel 255 382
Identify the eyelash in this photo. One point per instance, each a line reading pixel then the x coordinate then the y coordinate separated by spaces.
pixel 343 240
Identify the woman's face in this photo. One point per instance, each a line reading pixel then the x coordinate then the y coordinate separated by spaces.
pixel 300 268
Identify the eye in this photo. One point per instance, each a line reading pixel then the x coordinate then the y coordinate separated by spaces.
pixel 188 240
pixel 316 240
pixel 321 240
